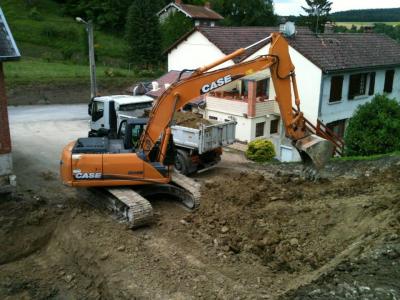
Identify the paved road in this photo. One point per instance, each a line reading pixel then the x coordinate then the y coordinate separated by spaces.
pixel 34 113
pixel 38 135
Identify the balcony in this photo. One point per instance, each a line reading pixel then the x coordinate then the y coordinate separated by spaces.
pixel 234 103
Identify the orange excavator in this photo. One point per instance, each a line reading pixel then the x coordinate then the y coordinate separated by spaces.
pixel 143 165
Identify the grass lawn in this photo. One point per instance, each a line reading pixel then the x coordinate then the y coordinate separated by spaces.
pixel 359 24
pixel 48 34
pixel 36 71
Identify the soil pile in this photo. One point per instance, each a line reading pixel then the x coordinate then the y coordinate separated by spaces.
pixel 292 225
pixel 189 119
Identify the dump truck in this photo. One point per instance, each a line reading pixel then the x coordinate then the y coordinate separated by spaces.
pixel 197 149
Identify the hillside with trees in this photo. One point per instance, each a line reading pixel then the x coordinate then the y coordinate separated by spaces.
pixel 367 15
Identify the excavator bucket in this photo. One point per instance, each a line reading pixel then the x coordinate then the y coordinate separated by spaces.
pixel 314 150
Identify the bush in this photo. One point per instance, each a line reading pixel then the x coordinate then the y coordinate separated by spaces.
pixel 374 128
pixel 260 150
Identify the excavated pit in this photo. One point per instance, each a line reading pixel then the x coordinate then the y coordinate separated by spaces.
pixel 259 233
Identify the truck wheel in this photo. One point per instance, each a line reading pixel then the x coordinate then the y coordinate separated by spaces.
pixel 180 163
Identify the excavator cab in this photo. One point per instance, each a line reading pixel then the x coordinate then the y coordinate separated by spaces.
pixel 133 132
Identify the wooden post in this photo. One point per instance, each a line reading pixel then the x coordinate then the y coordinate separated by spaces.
pixel 5 140
pixel 252 98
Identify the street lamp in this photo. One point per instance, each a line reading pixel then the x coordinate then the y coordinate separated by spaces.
pixel 92 62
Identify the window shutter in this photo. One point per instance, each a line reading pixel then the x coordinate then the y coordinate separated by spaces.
pixel 336 88
pixel 353 85
pixel 389 76
pixel 371 90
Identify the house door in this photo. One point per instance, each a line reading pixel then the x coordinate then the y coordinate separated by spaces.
pixel 337 127
pixel 286 153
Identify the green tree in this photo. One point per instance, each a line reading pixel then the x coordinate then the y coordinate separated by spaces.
pixel 374 128
pixel 318 14
pixel 245 12
pixel 143 34
pixel 176 25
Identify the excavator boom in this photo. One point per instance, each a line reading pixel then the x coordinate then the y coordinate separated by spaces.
pixel 202 82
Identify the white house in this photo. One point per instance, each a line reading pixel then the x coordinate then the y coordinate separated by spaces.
pixel 335 74
pixel 201 15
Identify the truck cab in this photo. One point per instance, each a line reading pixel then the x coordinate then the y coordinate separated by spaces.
pixel 109 114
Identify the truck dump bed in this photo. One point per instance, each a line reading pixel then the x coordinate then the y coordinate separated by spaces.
pixel 206 137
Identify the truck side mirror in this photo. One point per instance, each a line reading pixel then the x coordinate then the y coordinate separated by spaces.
pixel 90 105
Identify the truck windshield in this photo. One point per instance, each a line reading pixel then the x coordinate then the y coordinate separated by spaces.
pixel 136 110
pixel 135 106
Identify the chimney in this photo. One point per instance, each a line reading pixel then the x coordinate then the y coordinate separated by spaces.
pixel 207 5
pixel 179 2
pixel 329 27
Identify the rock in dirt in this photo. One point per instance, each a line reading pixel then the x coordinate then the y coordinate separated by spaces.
pixel 104 256
pixel 224 229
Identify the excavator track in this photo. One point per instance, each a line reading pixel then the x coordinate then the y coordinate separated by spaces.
pixel 189 185
pixel 130 206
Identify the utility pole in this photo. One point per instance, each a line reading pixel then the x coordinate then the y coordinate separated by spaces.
pixel 92 62
pixel 316 12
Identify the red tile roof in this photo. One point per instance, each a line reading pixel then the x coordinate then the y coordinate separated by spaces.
pixel 200 12
pixel 194 11
pixel 331 52
pixel 167 78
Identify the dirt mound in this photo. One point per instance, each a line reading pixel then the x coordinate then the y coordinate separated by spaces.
pixel 189 119
pixel 289 224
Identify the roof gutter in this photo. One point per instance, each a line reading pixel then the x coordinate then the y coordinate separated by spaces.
pixel 360 68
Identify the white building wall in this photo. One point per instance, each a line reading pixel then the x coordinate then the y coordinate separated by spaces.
pixel 164 15
pixel 308 78
pixel 243 126
pixel 196 51
pixel 237 108
pixel 345 108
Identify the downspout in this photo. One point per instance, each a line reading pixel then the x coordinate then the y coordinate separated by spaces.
pixel 323 77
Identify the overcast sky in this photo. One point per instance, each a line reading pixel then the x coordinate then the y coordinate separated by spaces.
pixel 293 7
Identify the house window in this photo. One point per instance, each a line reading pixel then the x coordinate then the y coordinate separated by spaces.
pixel 260 129
pixel 212 118
pixel 389 76
pixel 371 89
pixel 263 88
pixel 336 89
pixel 357 85
pixel 274 126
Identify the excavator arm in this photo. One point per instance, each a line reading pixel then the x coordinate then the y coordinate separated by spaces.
pixel 202 81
